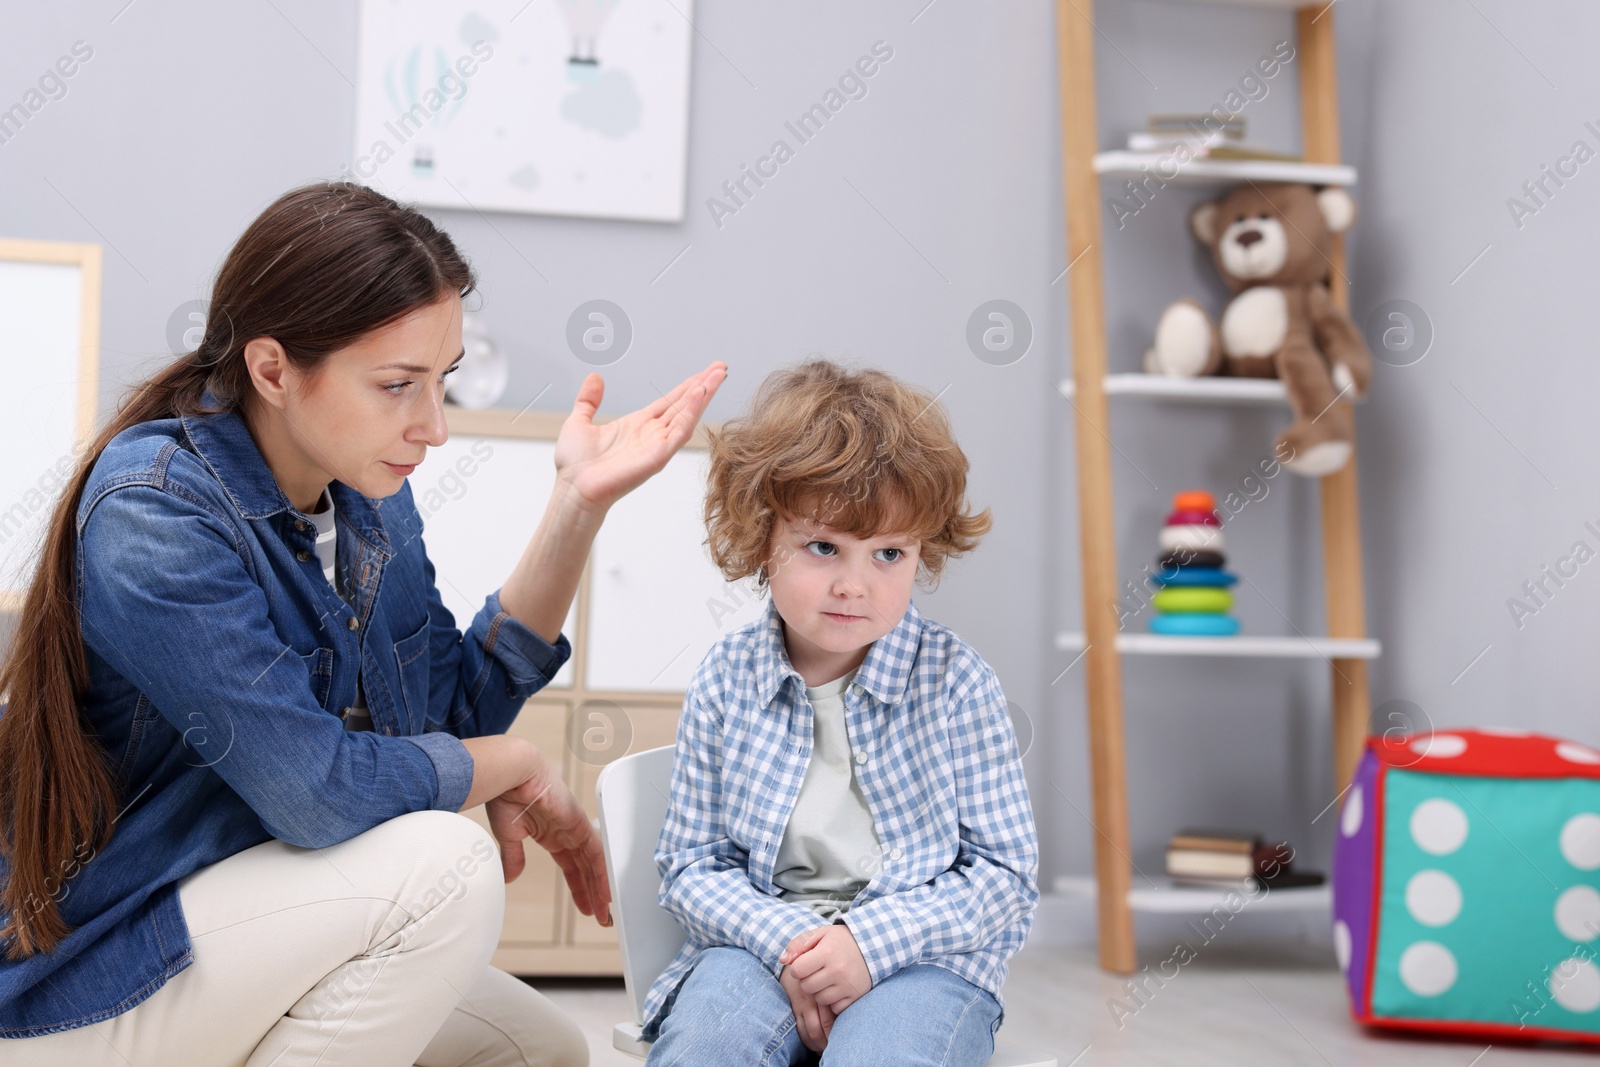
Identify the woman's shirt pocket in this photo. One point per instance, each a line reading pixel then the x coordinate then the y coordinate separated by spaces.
pixel 319 672
pixel 411 658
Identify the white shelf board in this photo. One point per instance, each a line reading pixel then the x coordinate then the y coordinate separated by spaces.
pixel 1278 5
pixel 1121 162
pixel 1168 898
pixel 1207 390
pixel 1282 647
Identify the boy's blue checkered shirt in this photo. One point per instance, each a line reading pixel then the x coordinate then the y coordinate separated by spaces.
pixel 955 883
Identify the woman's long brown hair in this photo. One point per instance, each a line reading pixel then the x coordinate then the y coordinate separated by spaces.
pixel 323 265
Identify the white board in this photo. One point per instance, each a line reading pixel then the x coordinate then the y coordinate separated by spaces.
pixel 481 498
pixel 49 297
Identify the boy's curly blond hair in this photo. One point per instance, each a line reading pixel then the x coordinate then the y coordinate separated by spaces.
pixel 856 450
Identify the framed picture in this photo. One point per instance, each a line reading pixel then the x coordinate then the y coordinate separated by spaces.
pixel 50 303
pixel 559 107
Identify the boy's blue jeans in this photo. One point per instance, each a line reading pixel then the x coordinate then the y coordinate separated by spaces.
pixel 731 1012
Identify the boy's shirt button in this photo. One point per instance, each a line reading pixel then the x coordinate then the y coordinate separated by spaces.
pixel 861 757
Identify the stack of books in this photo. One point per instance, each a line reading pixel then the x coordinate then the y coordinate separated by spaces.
pixel 1233 859
pixel 1207 137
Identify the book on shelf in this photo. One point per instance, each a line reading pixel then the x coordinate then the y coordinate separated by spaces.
pixel 1139 141
pixel 1206 146
pixel 1229 856
pixel 1194 124
pixel 1221 840
pixel 1223 151
pixel 1210 863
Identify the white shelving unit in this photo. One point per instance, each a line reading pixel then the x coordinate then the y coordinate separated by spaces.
pixel 1188 390
pixel 1167 898
pixel 1280 5
pixel 1296 647
pixel 1124 163
pixel 1345 647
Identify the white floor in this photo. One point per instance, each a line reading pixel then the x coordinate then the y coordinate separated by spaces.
pixel 1231 1005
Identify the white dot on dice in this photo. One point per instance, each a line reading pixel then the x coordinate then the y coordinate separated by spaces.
pixel 1580 841
pixel 1438 826
pixel 1350 818
pixel 1575 985
pixel 1427 968
pixel 1433 898
pixel 1578 913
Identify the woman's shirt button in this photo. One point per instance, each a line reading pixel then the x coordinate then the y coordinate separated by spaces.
pixel 353 623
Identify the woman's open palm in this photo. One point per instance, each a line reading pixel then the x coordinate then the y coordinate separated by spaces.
pixel 546 811
pixel 604 461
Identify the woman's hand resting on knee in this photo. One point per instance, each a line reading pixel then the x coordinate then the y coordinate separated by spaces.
pixel 523 796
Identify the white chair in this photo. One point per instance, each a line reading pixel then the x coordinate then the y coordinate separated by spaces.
pixel 632 794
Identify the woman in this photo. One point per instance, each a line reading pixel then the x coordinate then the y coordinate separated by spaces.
pixel 202 863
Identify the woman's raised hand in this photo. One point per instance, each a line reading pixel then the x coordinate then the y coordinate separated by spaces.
pixel 603 462
pixel 544 809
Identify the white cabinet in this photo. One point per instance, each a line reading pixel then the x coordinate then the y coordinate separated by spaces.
pixel 481 498
pixel 656 602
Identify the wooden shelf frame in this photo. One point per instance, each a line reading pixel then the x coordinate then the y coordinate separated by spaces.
pixel 1341 542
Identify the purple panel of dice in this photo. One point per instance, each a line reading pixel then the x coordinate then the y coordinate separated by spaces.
pixel 1354 856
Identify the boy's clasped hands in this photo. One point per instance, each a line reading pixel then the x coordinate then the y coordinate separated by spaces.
pixel 824 973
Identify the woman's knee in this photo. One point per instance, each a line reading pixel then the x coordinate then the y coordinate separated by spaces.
pixel 455 845
pixel 545 1034
pixel 452 862
pixel 503 1020
pixel 560 1044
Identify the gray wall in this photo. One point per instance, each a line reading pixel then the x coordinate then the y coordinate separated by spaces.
pixel 940 190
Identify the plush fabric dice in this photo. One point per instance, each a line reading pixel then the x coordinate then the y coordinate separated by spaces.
pixel 1466 885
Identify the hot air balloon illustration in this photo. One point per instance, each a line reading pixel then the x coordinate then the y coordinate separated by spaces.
pixel 585 19
pixel 409 80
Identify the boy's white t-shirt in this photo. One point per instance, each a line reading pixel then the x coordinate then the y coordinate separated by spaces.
pixel 830 849
pixel 358 717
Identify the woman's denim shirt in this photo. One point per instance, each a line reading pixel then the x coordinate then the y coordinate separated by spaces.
pixel 220 660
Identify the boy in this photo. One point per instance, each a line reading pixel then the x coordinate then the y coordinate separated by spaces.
pixel 849 842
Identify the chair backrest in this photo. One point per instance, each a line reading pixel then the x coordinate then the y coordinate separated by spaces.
pixel 632 796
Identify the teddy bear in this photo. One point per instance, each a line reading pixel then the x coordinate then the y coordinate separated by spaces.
pixel 1272 242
